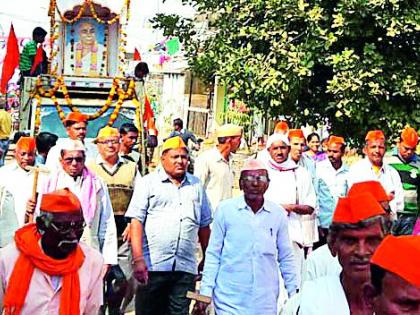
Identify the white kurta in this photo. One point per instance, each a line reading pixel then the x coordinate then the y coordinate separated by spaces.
pixel 102 232
pixel 19 183
pixel 321 263
pixel 324 296
pixel 389 178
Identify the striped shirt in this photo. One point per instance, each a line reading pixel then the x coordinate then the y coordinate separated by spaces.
pixel 28 53
pixel 410 178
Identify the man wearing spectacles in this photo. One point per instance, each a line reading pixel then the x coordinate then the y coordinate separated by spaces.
pixel 119 175
pixel 248 245
pixel 46 270
pixel 100 231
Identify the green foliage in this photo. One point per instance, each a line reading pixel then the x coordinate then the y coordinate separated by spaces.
pixel 353 64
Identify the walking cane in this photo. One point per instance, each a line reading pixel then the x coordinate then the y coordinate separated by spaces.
pixel 29 217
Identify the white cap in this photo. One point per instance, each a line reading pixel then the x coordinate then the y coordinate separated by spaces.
pixel 277 137
pixel 72 145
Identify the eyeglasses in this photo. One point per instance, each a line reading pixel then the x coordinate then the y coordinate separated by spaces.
pixel 64 228
pixel 70 160
pixel 259 178
pixel 109 142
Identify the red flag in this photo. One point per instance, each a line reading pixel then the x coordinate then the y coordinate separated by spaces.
pixel 39 57
pixel 148 113
pixel 11 60
pixel 137 55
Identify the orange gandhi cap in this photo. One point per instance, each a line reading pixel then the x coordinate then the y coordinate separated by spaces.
pixel 76 117
pixel 356 208
pixel 26 144
pixel 374 135
pixel 334 139
pixel 296 133
pixel 281 127
pixel 410 137
pixel 401 256
pixel 62 200
pixel 371 186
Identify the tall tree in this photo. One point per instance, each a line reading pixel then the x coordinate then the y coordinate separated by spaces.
pixel 353 64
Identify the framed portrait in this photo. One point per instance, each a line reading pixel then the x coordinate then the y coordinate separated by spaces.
pixel 86 48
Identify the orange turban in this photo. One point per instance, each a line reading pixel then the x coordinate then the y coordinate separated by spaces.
pixel 400 255
pixel 374 135
pixel 334 139
pixel 410 137
pixel 173 143
pixel 354 209
pixel 76 117
pixel 26 144
pixel 281 127
pixel 296 133
pixel 62 200
pixel 371 186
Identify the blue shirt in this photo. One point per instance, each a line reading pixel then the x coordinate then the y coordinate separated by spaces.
pixel 241 271
pixel 171 217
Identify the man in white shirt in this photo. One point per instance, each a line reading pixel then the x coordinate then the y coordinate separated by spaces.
pixel 248 246
pixel 18 180
pixel 332 183
pixel 100 231
pixel 358 227
pixel 214 167
pixel 373 168
pixel 291 187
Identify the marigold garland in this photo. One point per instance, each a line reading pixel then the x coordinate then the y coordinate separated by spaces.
pixel 115 88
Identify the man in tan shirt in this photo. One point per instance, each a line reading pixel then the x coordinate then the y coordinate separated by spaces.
pixel 214 167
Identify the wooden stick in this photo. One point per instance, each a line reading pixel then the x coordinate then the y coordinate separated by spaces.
pixel 29 218
pixel 198 297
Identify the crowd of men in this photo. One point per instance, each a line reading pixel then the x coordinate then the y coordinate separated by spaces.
pixel 82 232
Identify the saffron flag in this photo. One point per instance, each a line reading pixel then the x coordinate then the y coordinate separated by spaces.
pixel 39 57
pixel 136 55
pixel 11 60
pixel 148 114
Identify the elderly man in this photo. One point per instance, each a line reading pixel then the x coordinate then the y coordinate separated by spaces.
pixel 100 231
pixel 46 270
pixel 358 227
pixel 291 187
pixel 373 168
pixel 332 183
pixel 249 244
pixel 214 167
pixel 18 179
pixel 406 162
pixel 119 175
pixel 168 210
pixel 395 277
pixel 321 262
pixel 76 128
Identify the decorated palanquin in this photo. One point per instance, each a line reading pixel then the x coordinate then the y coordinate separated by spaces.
pixel 87 69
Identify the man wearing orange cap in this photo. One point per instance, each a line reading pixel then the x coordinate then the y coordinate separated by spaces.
pixel 120 176
pixel 214 167
pixel 359 225
pixel 407 163
pixel 332 183
pixel 100 231
pixel 248 246
pixel 395 277
pixel 76 129
pixel 46 270
pixel 320 262
pixel 169 210
pixel 297 145
pixel 372 167
pixel 18 179
pixel 281 127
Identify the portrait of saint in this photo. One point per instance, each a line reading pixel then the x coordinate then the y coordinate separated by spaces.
pixel 85 47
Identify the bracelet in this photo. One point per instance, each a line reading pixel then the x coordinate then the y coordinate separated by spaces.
pixel 137 259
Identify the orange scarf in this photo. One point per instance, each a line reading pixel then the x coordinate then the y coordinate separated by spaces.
pixel 31 257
